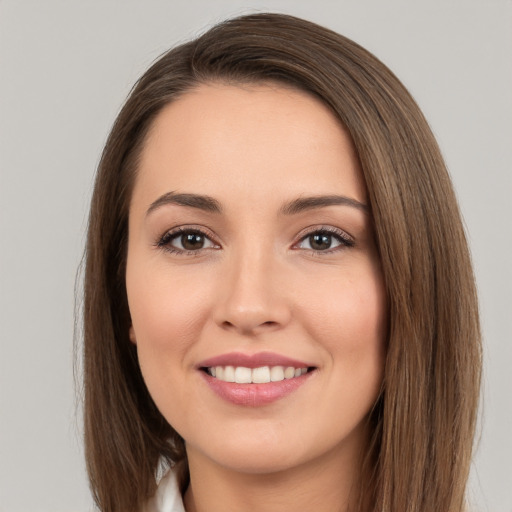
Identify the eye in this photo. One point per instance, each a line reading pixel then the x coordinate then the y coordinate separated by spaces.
pixel 186 241
pixel 325 240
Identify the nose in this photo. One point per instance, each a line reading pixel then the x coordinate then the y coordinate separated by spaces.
pixel 252 296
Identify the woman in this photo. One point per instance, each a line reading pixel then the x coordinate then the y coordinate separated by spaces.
pixel 279 301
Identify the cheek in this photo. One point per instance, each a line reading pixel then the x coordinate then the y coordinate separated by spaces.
pixel 168 311
pixel 350 328
pixel 352 309
pixel 349 321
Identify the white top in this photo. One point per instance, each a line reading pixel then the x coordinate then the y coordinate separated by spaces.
pixel 167 497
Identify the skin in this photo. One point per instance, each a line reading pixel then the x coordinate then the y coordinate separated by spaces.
pixel 257 285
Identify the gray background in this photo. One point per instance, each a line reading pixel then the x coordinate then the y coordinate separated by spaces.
pixel 65 68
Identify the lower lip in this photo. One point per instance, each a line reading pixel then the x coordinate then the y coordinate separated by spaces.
pixel 255 395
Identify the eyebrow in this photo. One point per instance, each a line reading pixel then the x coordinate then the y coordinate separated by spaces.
pixel 299 205
pixel 310 203
pixel 201 202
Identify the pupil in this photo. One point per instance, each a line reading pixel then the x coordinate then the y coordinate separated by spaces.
pixel 320 242
pixel 192 241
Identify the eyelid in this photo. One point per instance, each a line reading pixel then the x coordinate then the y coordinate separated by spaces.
pixel 343 237
pixel 163 241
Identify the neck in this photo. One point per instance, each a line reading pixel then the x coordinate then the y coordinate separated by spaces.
pixel 327 484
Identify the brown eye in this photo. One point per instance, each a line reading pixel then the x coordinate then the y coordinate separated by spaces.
pixel 320 242
pixel 325 240
pixel 192 241
pixel 186 241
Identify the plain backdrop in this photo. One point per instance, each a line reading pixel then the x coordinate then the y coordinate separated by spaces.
pixel 66 67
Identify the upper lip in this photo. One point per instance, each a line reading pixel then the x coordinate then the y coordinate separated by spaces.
pixel 252 360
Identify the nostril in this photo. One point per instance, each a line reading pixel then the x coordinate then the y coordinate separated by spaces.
pixel 247 326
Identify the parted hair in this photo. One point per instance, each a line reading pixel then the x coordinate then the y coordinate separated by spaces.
pixel 422 425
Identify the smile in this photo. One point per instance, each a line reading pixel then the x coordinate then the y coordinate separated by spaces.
pixel 259 375
pixel 254 380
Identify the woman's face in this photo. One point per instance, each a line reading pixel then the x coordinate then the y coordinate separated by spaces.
pixel 251 258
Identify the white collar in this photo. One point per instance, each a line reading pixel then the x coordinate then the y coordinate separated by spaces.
pixel 167 497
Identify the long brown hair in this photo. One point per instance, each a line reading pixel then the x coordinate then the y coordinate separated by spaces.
pixel 423 424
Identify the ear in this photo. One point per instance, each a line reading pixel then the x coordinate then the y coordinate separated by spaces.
pixel 133 339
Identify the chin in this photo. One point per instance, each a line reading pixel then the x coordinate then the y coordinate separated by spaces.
pixel 273 450
pixel 258 451
pixel 256 462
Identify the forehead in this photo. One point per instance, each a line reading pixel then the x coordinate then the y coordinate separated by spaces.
pixel 251 139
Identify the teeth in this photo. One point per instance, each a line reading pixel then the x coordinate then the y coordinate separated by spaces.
pixel 243 375
pixel 289 373
pixel 229 374
pixel 261 375
pixel 277 373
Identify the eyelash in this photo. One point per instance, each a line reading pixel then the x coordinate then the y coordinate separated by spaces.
pixel 164 243
pixel 345 241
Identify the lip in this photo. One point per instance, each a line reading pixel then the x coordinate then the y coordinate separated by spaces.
pixel 253 360
pixel 253 395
